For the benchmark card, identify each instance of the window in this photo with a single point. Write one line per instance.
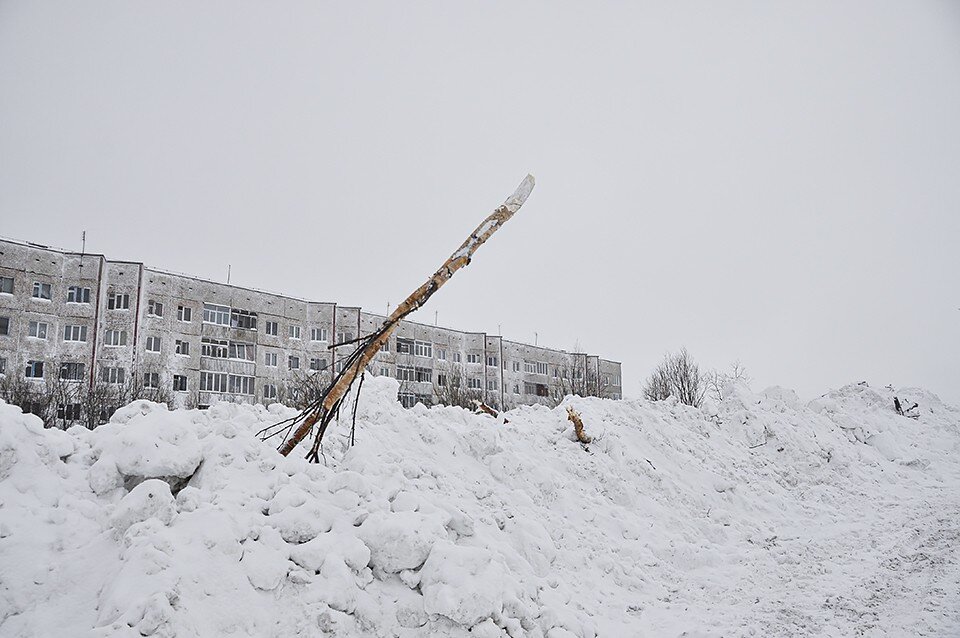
(3, 365)
(442, 354)
(293, 362)
(344, 337)
(76, 294)
(425, 399)
(385, 346)
(384, 371)
(240, 385)
(4, 325)
(272, 328)
(423, 349)
(185, 314)
(74, 333)
(529, 388)
(318, 334)
(293, 331)
(115, 338)
(404, 346)
(406, 373)
(516, 366)
(341, 365)
(38, 329)
(473, 384)
(529, 367)
(69, 412)
(6, 285)
(240, 350)
(407, 399)
(516, 388)
(424, 375)
(542, 368)
(113, 376)
(154, 308)
(473, 358)
(118, 301)
(41, 291)
(179, 383)
(181, 347)
(243, 319)
(492, 362)
(318, 364)
(34, 370)
(213, 381)
(214, 348)
(153, 344)
(269, 391)
(213, 313)
(491, 384)
(71, 371)
(151, 380)
(270, 359)
(456, 357)
(442, 380)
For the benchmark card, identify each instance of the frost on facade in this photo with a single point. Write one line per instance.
(83, 322)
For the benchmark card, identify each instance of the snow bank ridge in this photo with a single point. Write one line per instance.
(438, 523)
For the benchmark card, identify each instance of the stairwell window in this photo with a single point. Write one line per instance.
(115, 338)
(153, 344)
(154, 308)
(492, 362)
(270, 359)
(118, 301)
(491, 384)
(6, 285)
(179, 383)
(271, 328)
(184, 314)
(181, 347)
(293, 331)
(74, 333)
(77, 294)
(113, 376)
(293, 362)
(318, 334)
(70, 371)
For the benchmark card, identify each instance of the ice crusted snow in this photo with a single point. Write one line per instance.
(761, 516)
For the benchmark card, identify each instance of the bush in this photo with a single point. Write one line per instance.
(678, 376)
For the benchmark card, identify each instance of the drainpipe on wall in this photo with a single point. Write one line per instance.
(96, 324)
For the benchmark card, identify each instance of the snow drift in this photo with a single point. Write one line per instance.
(759, 516)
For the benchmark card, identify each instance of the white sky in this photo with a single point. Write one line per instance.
(772, 182)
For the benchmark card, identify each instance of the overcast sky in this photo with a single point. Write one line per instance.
(777, 183)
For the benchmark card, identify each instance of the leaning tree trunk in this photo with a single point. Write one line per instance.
(324, 409)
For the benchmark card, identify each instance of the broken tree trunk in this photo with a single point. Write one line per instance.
(574, 417)
(324, 409)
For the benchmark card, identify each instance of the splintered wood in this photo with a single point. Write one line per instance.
(574, 417)
(326, 407)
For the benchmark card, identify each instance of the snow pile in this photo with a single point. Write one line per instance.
(759, 516)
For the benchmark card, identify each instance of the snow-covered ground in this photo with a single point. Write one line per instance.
(758, 517)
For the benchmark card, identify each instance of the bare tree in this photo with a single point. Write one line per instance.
(453, 389)
(677, 375)
(717, 381)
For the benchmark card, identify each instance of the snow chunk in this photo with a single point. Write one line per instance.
(400, 540)
(150, 499)
(462, 583)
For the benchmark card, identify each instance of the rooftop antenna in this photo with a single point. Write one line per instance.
(435, 314)
(535, 338)
(499, 330)
(228, 273)
(83, 249)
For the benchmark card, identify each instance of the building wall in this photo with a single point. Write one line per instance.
(289, 348)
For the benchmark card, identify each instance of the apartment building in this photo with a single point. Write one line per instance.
(84, 319)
